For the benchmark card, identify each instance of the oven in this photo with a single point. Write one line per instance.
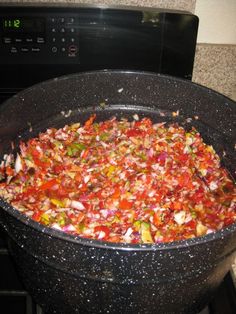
(40, 43)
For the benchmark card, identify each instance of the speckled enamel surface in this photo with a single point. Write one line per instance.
(68, 275)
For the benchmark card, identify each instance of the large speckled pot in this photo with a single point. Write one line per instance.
(67, 274)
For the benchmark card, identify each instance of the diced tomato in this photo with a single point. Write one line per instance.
(37, 215)
(42, 164)
(198, 195)
(48, 185)
(116, 193)
(125, 204)
(57, 169)
(89, 122)
(176, 205)
(183, 157)
(9, 171)
(157, 219)
(78, 177)
(135, 132)
(147, 122)
(184, 180)
(208, 203)
(228, 221)
(141, 195)
(114, 239)
(191, 224)
(104, 229)
(83, 188)
(135, 181)
(24, 195)
(61, 192)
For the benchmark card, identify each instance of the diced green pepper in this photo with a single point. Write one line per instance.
(104, 136)
(75, 148)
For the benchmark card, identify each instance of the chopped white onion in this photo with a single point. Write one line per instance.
(18, 164)
(86, 179)
(180, 217)
(77, 205)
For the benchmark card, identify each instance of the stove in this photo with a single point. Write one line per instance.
(40, 43)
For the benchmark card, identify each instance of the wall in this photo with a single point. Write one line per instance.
(215, 61)
(218, 21)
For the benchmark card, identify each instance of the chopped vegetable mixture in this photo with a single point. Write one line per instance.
(121, 181)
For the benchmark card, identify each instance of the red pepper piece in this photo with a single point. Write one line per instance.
(37, 215)
(9, 171)
(104, 229)
(135, 132)
(48, 185)
(176, 205)
(89, 122)
(125, 204)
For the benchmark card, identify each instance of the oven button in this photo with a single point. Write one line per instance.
(35, 49)
(7, 40)
(70, 20)
(13, 50)
(63, 39)
(28, 40)
(62, 20)
(72, 39)
(24, 49)
(72, 50)
(54, 39)
(62, 30)
(53, 30)
(40, 40)
(18, 40)
(53, 20)
(54, 49)
(63, 49)
(72, 30)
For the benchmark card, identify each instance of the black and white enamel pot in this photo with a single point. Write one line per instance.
(67, 274)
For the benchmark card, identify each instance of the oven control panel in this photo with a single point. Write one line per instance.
(47, 38)
(45, 41)
(31, 34)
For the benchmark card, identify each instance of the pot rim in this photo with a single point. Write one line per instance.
(216, 235)
(213, 236)
(125, 72)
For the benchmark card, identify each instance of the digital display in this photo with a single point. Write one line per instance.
(23, 25)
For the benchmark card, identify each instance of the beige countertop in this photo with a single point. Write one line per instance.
(215, 67)
(185, 5)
